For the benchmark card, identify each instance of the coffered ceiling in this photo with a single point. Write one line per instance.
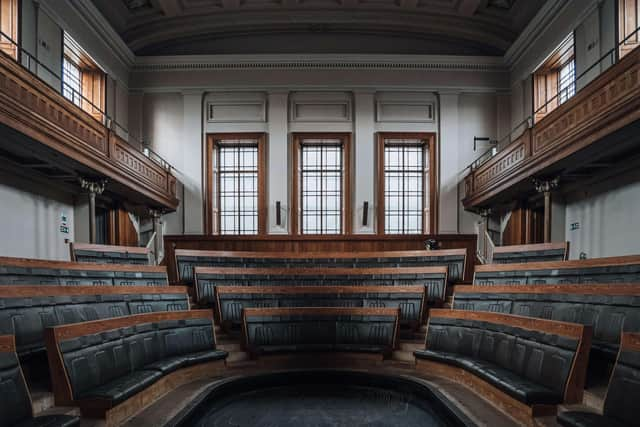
(167, 27)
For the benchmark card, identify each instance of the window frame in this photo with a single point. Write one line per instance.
(546, 78)
(212, 211)
(346, 221)
(429, 225)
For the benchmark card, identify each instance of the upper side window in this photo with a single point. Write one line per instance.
(554, 81)
(628, 23)
(9, 27)
(83, 81)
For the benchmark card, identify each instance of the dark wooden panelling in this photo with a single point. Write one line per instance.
(301, 244)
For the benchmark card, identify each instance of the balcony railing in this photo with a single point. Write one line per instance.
(33, 102)
(603, 63)
(46, 75)
(608, 93)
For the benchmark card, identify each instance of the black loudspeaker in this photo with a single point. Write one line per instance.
(365, 214)
(278, 218)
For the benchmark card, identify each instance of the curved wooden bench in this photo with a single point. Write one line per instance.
(25, 311)
(24, 271)
(620, 408)
(186, 260)
(15, 406)
(433, 279)
(624, 269)
(609, 309)
(526, 366)
(113, 368)
(320, 329)
(231, 300)
(539, 252)
(109, 254)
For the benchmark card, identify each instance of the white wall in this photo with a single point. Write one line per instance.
(608, 217)
(31, 220)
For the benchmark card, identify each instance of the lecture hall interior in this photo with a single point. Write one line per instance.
(323, 213)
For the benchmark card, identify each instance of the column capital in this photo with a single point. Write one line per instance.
(93, 186)
(546, 186)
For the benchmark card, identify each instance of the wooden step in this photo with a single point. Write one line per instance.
(411, 345)
(42, 400)
(229, 346)
(237, 356)
(594, 398)
(403, 356)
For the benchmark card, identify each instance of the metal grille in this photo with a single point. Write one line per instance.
(567, 81)
(321, 177)
(71, 81)
(238, 187)
(405, 173)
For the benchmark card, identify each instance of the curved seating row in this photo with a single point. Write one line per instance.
(186, 260)
(231, 300)
(539, 252)
(528, 365)
(276, 330)
(624, 269)
(609, 309)
(110, 368)
(108, 254)
(15, 405)
(622, 394)
(25, 311)
(432, 279)
(22, 271)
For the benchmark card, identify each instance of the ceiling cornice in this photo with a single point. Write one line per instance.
(318, 61)
(539, 25)
(99, 25)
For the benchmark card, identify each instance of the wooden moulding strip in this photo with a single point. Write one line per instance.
(26, 291)
(83, 266)
(321, 255)
(558, 265)
(573, 289)
(109, 248)
(329, 271)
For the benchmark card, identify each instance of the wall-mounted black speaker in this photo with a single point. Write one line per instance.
(365, 214)
(278, 217)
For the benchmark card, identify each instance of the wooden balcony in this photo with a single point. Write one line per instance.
(599, 122)
(52, 138)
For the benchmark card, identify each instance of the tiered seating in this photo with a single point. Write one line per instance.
(25, 311)
(610, 309)
(107, 254)
(186, 260)
(622, 395)
(276, 330)
(231, 300)
(21, 271)
(539, 252)
(112, 368)
(625, 269)
(15, 402)
(526, 365)
(433, 279)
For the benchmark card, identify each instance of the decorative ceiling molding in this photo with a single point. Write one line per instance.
(322, 62)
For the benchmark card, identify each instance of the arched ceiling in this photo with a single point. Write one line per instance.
(463, 27)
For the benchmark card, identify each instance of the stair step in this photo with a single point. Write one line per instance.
(447, 305)
(594, 397)
(237, 356)
(229, 346)
(411, 345)
(403, 356)
(42, 400)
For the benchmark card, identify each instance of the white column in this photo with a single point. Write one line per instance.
(364, 166)
(278, 165)
(449, 158)
(192, 158)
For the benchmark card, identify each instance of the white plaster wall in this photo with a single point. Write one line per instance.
(608, 217)
(31, 220)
